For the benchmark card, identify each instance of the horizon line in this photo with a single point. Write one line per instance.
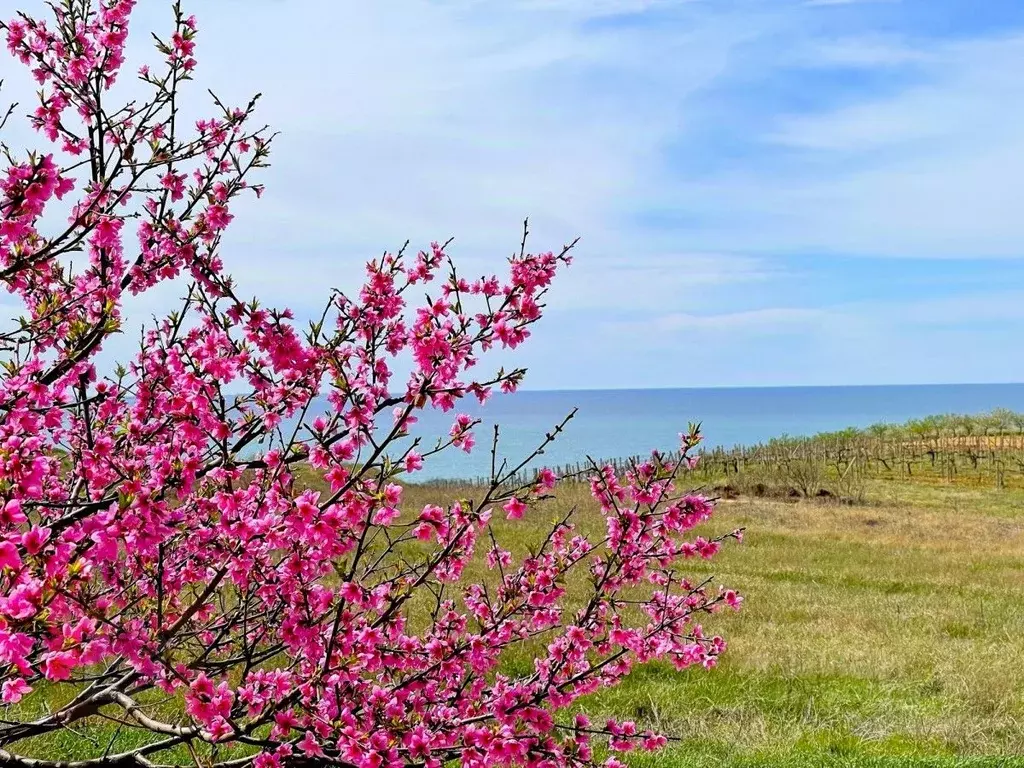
(558, 390)
(773, 386)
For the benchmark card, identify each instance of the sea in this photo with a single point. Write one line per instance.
(611, 424)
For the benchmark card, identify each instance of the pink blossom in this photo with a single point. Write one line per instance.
(105, 235)
(58, 666)
(13, 690)
(309, 746)
(35, 539)
(222, 517)
(413, 462)
(515, 508)
(9, 557)
(11, 514)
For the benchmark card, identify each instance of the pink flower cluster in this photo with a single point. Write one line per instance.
(157, 537)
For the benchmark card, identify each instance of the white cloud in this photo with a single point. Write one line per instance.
(932, 170)
(427, 119)
(895, 342)
(963, 99)
(440, 119)
(857, 128)
(594, 8)
(755, 322)
(845, 2)
(997, 306)
(861, 52)
(457, 119)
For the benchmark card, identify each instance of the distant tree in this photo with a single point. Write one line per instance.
(1017, 419)
(1003, 421)
(880, 431)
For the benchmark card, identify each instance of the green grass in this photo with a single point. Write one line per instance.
(889, 634)
(885, 634)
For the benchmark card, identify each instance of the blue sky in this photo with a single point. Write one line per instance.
(769, 192)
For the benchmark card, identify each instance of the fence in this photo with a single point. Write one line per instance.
(982, 450)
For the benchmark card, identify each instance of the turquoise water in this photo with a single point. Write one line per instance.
(619, 423)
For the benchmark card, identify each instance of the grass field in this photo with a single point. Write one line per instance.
(883, 634)
(886, 633)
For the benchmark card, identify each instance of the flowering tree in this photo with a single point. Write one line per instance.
(161, 564)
